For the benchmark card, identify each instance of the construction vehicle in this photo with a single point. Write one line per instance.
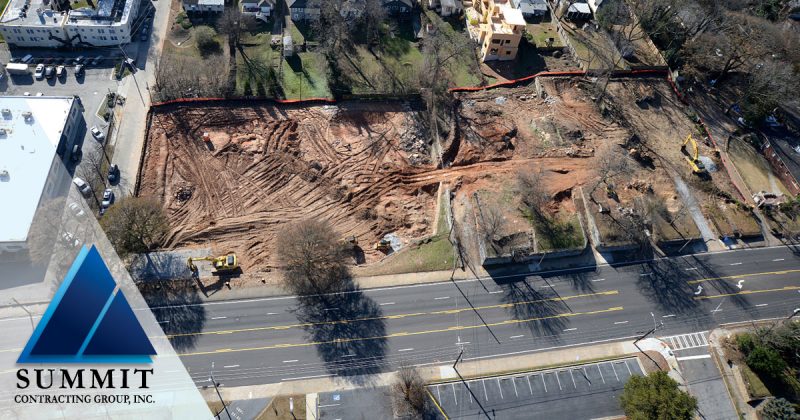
(694, 158)
(383, 245)
(222, 263)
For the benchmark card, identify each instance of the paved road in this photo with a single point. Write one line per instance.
(278, 339)
(269, 340)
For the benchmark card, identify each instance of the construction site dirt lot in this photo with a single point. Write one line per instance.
(362, 167)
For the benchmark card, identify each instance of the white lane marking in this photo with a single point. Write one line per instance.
(231, 366)
(500, 388)
(483, 381)
(349, 355)
(736, 263)
(777, 259)
(331, 309)
(690, 269)
(615, 371)
(668, 316)
(516, 336)
(559, 381)
(717, 309)
(219, 317)
(570, 329)
(574, 385)
(454, 393)
(762, 304)
(328, 405)
(596, 280)
(442, 298)
(514, 382)
(740, 284)
(700, 356)
(629, 368)
(290, 361)
(272, 313)
(645, 274)
(307, 377)
(620, 322)
(387, 303)
(449, 282)
(495, 292)
(163, 322)
(543, 383)
(408, 349)
(529, 383)
(699, 290)
(601, 373)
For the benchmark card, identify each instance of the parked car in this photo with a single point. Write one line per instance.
(39, 72)
(27, 59)
(97, 134)
(26, 94)
(39, 94)
(78, 70)
(83, 187)
(108, 198)
(79, 60)
(97, 60)
(113, 173)
(49, 72)
(60, 71)
(76, 209)
(76, 153)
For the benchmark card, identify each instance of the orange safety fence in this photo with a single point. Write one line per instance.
(513, 82)
(280, 101)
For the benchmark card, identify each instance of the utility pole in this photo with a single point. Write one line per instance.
(216, 388)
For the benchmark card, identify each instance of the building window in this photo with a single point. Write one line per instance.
(508, 52)
(495, 41)
(493, 51)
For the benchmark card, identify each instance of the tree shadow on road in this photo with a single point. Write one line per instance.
(539, 309)
(175, 305)
(664, 282)
(349, 333)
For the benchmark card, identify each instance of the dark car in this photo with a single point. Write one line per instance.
(113, 173)
(78, 69)
(49, 72)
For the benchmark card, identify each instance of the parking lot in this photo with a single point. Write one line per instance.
(365, 403)
(584, 391)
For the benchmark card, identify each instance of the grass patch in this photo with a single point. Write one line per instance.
(754, 168)
(558, 233)
(731, 220)
(278, 409)
(541, 32)
(304, 76)
(755, 387)
(433, 254)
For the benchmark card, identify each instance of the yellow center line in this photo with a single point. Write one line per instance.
(749, 292)
(398, 316)
(741, 276)
(404, 334)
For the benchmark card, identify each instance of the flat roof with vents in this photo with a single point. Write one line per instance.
(30, 132)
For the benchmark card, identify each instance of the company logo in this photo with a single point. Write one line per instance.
(88, 321)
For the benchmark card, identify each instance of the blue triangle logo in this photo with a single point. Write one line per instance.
(88, 321)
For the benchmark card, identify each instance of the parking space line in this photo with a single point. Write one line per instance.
(513, 382)
(615, 372)
(454, 393)
(483, 381)
(601, 373)
(469, 393)
(586, 375)
(545, 385)
(438, 392)
(500, 388)
(629, 368)
(573, 379)
(559, 381)
(529, 383)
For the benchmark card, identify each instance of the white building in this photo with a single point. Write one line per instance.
(51, 23)
(203, 7)
(260, 8)
(34, 130)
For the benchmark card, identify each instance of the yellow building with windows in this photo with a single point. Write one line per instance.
(500, 30)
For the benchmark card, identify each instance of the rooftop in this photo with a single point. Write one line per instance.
(41, 12)
(27, 149)
(512, 16)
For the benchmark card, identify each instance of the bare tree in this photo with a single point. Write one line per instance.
(178, 76)
(532, 191)
(135, 225)
(372, 19)
(441, 50)
(91, 170)
(409, 397)
(610, 162)
(312, 256)
(494, 222)
(768, 85)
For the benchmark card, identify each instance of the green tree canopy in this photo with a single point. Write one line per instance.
(766, 361)
(656, 397)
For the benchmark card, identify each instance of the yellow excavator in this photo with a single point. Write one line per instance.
(222, 263)
(694, 159)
